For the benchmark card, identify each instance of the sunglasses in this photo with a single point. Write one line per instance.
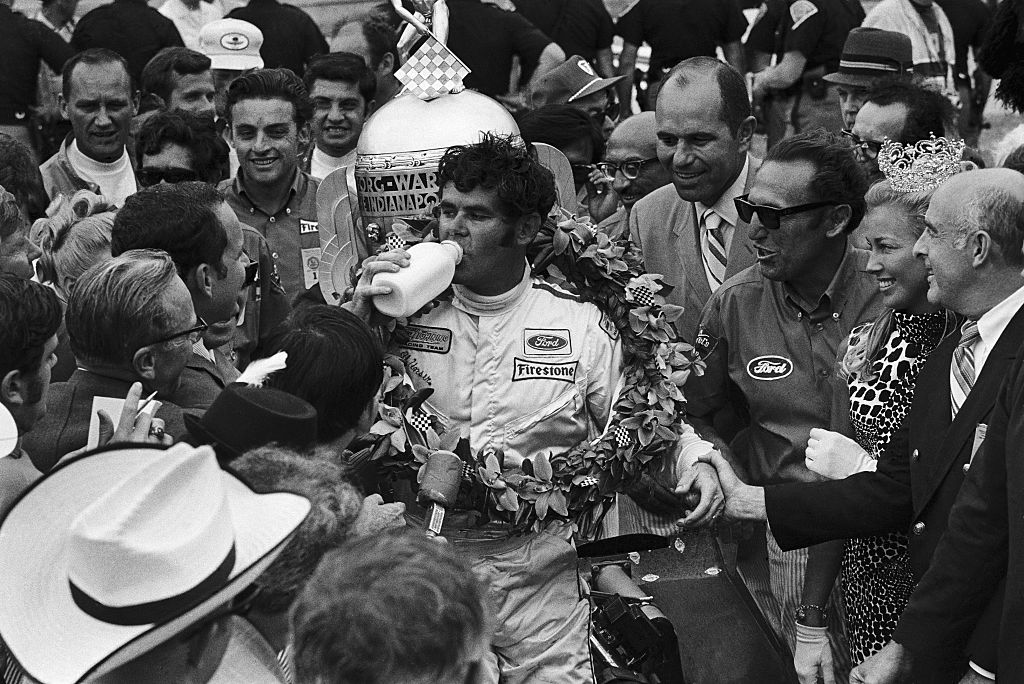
(630, 169)
(771, 217)
(194, 333)
(152, 176)
(870, 148)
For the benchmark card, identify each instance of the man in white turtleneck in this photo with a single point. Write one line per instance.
(341, 87)
(98, 100)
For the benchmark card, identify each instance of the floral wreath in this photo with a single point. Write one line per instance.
(646, 423)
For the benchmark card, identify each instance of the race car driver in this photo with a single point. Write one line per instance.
(527, 367)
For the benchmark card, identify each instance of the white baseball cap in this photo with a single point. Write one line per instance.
(232, 44)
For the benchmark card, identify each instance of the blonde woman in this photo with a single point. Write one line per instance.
(75, 238)
(881, 362)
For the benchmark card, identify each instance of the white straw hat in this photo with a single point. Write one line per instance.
(116, 551)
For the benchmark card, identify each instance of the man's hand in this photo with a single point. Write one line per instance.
(376, 516)
(362, 298)
(701, 478)
(742, 502)
(891, 665)
(132, 426)
(835, 456)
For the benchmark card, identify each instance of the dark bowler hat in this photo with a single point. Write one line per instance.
(870, 54)
(244, 417)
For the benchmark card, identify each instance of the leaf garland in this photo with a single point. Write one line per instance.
(646, 422)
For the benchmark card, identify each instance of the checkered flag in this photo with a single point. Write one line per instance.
(433, 70)
(642, 295)
(622, 437)
(394, 241)
(589, 481)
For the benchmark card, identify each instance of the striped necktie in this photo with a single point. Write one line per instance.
(963, 366)
(713, 248)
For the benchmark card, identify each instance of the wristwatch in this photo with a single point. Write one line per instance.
(809, 609)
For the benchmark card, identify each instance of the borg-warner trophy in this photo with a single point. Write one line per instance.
(707, 628)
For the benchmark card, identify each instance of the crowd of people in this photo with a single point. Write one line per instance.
(198, 442)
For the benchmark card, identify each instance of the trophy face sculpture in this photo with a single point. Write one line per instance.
(395, 175)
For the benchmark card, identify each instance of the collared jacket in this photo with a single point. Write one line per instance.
(772, 357)
(293, 232)
(537, 373)
(60, 177)
(919, 479)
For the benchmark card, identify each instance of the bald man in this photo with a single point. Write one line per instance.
(631, 161)
(972, 249)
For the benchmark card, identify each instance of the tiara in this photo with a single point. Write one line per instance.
(923, 165)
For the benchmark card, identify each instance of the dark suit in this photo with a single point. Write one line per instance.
(983, 545)
(914, 493)
(667, 231)
(202, 380)
(65, 427)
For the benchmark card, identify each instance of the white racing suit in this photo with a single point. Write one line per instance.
(529, 371)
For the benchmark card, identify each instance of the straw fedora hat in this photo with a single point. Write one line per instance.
(115, 551)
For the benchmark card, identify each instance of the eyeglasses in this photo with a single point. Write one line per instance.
(771, 216)
(149, 176)
(194, 333)
(870, 148)
(630, 169)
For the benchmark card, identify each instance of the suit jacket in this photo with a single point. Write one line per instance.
(984, 544)
(65, 427)
(667, 231)
(918, 476)
(202, 380)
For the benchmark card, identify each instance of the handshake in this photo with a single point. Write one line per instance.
(724, 495)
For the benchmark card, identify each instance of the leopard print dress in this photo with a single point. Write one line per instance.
(876, 573)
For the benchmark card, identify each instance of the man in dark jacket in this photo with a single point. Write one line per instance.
(130, 28)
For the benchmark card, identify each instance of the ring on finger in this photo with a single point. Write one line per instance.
(156, 428)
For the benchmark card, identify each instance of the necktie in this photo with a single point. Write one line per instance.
(963, 366)
(713, 248)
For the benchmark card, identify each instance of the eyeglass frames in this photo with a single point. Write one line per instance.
(630, 169)
(194, 333)
(870, 148)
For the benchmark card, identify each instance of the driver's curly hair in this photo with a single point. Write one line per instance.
(501, 163)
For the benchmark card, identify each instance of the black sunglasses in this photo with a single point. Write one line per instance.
(193, 333)
(771, 216)
(630, 169)
(152, 175)
(870, 148)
